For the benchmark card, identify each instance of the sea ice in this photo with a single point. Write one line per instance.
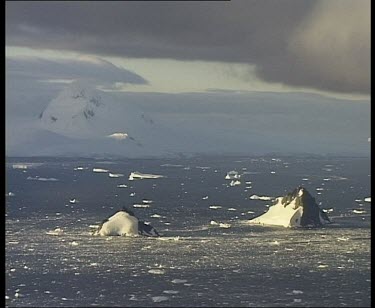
(37, 178)
(138, 176)
(215, 207)
(234, 183)
(265, 198)
(99, 170)
(179, 280)
(141, 205)
(115, 175)
(232, 175)
(122, 186)
(10, 194)
(156, 271)
(368, 199)
(158, 299)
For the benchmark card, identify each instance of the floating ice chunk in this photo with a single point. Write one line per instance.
(10, 194)
(265, 198)
(232, 209)
(118, 136)
(115, 175)
(73, 201)
(37, 178)
(74, 243)
(132, 194)
(100, 170)
(273, 172)
(57, 231)
(138, 176)
(326, 179)
(358, 200)
(80, 168)
(343, 239)
(122, 186)
(359, 211)
(155, 216)
(319, 188)
(141, 205)
(158, 299)
(232, 175)
(297, 292)
(215, 207)
(171, 292)
(93, 264)
(179, 280)
(250, 212)
(146, 201)
(234, 183)
(322, 266)
(156, 271)
(213, 222)
(205, 198)
(224, 225)
(328, 210)
(20, 166)
(203, 168)
(305, 179)
(248, 182)
(368, 199)
(171, 165)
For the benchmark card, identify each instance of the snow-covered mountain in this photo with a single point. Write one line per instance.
(296, 209)
(103, 124)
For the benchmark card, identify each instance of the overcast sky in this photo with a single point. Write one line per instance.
(266, 46)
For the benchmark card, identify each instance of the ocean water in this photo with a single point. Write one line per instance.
(207, 255)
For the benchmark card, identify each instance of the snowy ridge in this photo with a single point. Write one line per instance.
(296, 209)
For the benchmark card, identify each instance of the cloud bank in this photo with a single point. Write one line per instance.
(319, 44)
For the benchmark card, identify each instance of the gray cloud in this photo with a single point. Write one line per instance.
(318, 44)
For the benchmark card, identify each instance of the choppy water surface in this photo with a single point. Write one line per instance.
(196, 262)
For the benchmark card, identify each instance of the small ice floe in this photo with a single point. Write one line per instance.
(74, 243)
(203, 168)
(146, 201)
(326, 179)
(224, 225)
(57, 231)
(368, 199)
(100, 170)
(358, 200)
(179, 281)
(158, 299)
(80, 168)
(156, 216)
(139, 176)
(297, 292)
(156, 271)
(73, 201)
(359, 211)
(232, 175)
(343, 239)
(118, 136)
(305, 179)
(93, 264)
(250, 212)
(115, 175)
(132, 194)
(10, 194)
(215, 207)
(205, 198)
(273, 172)
(231, 209)
(171, 292)
(322, 266)
(213, 222)
(265, 198)
(171, 165)
(20, 166)
(330, 210)
(319, 189)
(37, 178)
(277, 243)
(122, 186)
(141, 205)
(248, 182)
(234, 183)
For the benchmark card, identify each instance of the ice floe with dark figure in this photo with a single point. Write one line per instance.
(125, 223)
(296, 209)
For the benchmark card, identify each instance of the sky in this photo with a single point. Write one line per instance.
(275, 51)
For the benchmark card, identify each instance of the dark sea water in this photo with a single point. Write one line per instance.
(195, 262)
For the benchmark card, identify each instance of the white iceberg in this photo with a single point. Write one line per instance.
(115, 175)
(138, 175)
(124, 223)
(368, 199)
(234, 183)
(118, 136)
(296, 209)
(99, 170)
(265, 198)
(232, 175)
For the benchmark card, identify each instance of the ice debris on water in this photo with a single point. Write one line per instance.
(179, 280)
(256, 197)
(156, 271)
(122, 186)
(158, 299)
(170, 292)
(100, 170)
(215, 207)
(224, 225)
(57, 231)
(10, 194)
(368, 199)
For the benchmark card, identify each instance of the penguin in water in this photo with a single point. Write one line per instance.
(125, 223)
